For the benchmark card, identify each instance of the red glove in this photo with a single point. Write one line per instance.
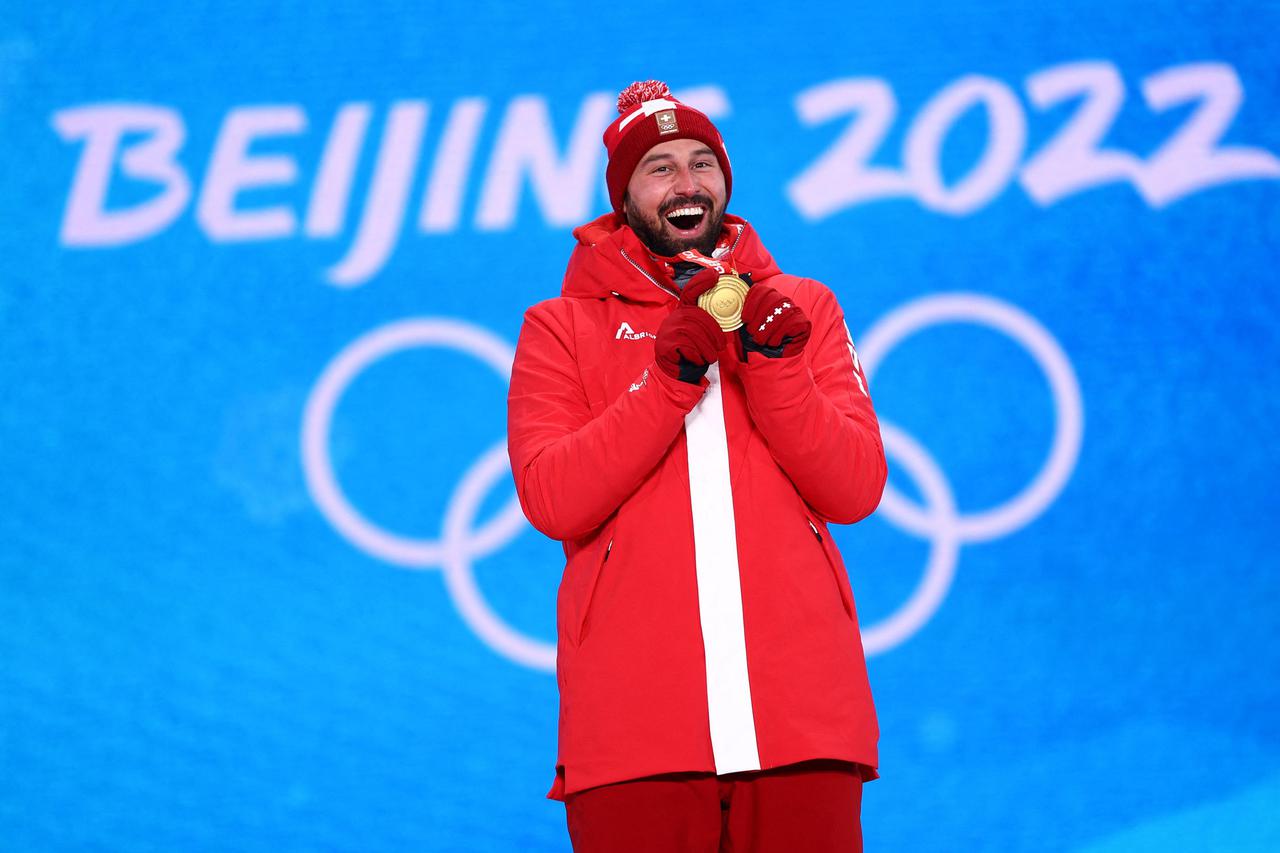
(700, 283)
(772, 324)
(690, 338)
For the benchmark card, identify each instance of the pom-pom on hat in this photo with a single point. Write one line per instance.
(648, 114)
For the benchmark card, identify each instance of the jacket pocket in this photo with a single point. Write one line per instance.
(578, 588)
(585, 622)
(834, 563)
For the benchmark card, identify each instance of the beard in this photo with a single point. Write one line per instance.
(657, 233)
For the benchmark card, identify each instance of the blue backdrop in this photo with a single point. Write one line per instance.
(264, 585)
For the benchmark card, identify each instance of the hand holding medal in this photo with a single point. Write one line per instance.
(718, 291)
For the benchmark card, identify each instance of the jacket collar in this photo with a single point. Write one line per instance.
(610, 260)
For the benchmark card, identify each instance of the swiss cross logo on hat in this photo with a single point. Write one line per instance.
(667, 122)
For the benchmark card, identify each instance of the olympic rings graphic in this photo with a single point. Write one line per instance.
(458, 546)
(323, 484)
(461, 543)
(940, 522)
(1068, 405)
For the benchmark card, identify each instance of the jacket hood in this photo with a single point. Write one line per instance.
(610, 260)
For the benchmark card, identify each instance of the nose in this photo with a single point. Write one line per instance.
(686, 182)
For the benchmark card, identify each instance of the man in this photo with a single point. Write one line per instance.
(712, 681)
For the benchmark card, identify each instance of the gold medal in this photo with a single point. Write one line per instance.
(724, 301)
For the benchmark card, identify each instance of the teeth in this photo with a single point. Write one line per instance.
(687, 211)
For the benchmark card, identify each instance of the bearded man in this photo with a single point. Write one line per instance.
(713, 687)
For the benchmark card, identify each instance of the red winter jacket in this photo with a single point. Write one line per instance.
(705, 621)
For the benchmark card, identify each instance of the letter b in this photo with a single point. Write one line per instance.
(86, 221)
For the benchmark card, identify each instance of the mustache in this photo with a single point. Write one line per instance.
(704, 200)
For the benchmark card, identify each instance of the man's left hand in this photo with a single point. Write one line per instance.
(772, 324)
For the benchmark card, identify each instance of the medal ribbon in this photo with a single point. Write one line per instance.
(693, 256)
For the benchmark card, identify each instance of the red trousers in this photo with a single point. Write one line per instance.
(814, 807)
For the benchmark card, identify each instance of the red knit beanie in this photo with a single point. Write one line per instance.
(647, 115)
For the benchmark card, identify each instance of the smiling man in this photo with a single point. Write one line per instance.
(686, 419)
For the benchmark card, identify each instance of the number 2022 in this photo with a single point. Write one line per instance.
(1071, 162)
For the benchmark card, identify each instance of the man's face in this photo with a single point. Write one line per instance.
(676, 198)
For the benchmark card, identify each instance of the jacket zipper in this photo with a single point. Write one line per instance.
(816, 534)
(736, 239)
(642, 272)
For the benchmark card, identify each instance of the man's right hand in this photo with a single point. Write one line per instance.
(690, 339)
